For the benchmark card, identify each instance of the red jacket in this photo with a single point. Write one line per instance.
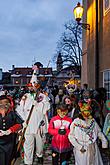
(60, 143)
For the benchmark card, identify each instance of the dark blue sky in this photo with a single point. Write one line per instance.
(30, 29)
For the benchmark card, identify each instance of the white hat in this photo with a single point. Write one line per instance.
(34, 75)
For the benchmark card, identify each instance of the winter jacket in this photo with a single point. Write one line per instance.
(11, 121)
(60, 143)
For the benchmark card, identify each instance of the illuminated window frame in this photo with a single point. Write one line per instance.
(106, 7)
(106, 82)
(17, 72)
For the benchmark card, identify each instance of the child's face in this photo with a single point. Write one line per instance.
(61, 113)
(4, 104)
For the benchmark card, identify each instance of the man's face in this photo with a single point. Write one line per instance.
(4, 104)
(60, 92)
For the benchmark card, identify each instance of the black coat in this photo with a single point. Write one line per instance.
(7, 142)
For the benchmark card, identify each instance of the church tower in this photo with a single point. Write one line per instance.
(59, 62)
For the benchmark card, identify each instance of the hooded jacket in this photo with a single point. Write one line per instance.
(60, 143)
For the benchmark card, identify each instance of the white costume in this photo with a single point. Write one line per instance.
(83, 137)
(33, 131)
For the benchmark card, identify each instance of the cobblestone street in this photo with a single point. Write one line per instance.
(48, 158)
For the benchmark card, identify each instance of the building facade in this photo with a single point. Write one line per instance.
(20, 76)
(96, 44)
(65, 75)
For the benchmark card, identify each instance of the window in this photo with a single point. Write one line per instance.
(46, 71)
(17, 72)
(106, 82)
(16, 82)
(106, 5)
(30, 72)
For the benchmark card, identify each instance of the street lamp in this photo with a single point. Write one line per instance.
(78, 13)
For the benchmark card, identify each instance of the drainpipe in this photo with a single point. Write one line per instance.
(97, 49)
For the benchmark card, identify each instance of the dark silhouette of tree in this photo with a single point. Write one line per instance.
(69, 46)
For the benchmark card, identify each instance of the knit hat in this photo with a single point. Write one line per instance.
(34, 75)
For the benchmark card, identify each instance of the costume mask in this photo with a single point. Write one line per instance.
(67, 101)
(71, 88)
(62, 113)
(85, 109)
(4, 106)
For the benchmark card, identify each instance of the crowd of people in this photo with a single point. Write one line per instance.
(73, 120)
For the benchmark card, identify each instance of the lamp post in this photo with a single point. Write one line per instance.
(78, 13)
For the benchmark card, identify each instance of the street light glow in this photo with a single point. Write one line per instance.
(78, 12)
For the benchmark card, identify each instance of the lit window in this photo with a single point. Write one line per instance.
(29, 72)
(106, 6)
(106, 82)
(46, 71)
(16, 82)
(17, 72)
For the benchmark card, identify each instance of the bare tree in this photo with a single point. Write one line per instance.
(69, 46)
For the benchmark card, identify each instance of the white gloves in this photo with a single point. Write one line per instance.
(24, 125)
(7, 132)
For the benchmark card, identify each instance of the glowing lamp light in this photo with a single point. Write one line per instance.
(78, 12)
(16, 82)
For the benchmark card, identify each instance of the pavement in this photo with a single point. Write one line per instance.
(48, 158)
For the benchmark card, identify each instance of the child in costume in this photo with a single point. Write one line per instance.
(84, 132)
(10, 123)
(96, 108)
(59, 128)
(73, 108)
